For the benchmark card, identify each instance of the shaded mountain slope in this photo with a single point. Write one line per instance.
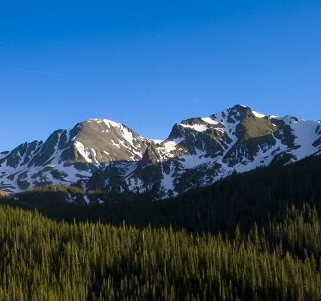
(105, 155)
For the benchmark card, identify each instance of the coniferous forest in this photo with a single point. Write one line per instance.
(253, 236)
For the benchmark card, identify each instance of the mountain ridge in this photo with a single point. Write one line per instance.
(103, 154)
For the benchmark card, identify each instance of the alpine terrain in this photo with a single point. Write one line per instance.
(105, 155)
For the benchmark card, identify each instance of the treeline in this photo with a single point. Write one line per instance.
(42, 259)
(242, 199)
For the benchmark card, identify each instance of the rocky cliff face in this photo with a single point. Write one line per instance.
(69, 156)
(101, 154)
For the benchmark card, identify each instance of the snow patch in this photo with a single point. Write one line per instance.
(84, 152)
(86, 199)
(209, 120)
(170, 146)
(113, 142)
(155, 141)
(191, 161)
(305, 136)
(259, 115)
(196, 127)
(110, 123)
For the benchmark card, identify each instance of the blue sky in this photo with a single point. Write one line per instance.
(150, 64)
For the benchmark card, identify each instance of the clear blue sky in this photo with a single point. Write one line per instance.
(150, 64)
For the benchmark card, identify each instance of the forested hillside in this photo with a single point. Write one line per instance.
(253, 236)
(239, 199)
(43, 259)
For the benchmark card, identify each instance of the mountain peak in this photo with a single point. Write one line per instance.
(103, 154)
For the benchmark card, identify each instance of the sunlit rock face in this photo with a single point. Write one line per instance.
(102, 154)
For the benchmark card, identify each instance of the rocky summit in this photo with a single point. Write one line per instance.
(102, 154)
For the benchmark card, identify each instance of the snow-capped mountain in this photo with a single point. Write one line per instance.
(102, 154)
(69, 156)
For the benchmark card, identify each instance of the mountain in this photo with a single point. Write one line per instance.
(105, 155)
(69, 156)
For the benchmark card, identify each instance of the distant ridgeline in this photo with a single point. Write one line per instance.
(100, 154)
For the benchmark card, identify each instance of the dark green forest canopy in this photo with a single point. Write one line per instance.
(253, 236)
(43, 259)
